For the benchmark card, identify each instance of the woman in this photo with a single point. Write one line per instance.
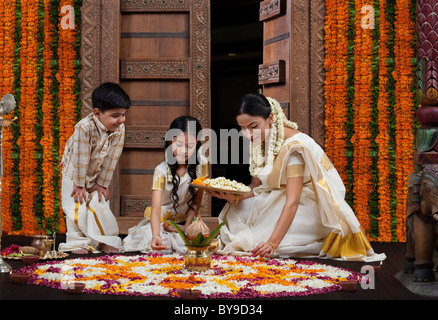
(297, 204)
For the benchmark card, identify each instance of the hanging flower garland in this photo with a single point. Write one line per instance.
(336, 40)
(376, 95)
(36, 68)
(404, 113)
(27, 107)
(7, 46)
(362, 118)
(67, 78)
(382, 138)
(154, 274)
(47, 122)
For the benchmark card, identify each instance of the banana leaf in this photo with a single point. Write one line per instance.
(207, 241)
(198, 241)
(180, 232)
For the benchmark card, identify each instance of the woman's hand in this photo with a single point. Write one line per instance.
(157, 243)
(229, 197)
(264, 250)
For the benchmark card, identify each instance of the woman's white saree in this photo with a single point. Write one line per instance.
(324, 226)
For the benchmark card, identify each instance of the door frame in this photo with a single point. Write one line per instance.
(100, 57)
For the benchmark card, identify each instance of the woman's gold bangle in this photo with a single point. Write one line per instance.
(273, 246)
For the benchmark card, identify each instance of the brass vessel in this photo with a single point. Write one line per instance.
(197, 259)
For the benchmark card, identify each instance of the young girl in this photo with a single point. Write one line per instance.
(172, 196)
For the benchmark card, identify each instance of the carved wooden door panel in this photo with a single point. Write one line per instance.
(293, 60)
(162, 59)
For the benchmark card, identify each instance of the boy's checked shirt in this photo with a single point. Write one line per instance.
(92, 152)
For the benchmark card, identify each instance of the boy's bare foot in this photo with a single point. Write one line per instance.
(80, 251)
(108, 249)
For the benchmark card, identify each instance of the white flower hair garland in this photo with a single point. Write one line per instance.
(275, 138)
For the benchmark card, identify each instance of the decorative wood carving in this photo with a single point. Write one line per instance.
(99, 46)
(300, 64)
(272, 73)
(317, 72)
(270, 9)
(177, 69)
(90, 51)
(200, 80)
(151, 5)
(110, 41)
(200, 50)
(144, 138)
(134, 207)
(427, 53)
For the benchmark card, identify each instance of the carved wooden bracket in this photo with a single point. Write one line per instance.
(270, 9)
(176, 69)
(144, 138)
(272, 73)
(158, 5)
(133, 207)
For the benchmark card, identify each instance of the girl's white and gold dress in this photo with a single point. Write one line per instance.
(139, 237)
(324, 224)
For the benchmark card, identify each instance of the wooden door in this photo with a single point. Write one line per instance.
(160, 53)
(293, 60)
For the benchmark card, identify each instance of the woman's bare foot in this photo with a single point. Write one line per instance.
(108, 249)
(80, 251)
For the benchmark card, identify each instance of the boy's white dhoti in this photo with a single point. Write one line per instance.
(88, 224)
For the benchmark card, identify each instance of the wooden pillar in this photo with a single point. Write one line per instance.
(100, 43)
(293, 60)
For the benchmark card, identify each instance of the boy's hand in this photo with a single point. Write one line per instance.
(101, 191)
(79, 194)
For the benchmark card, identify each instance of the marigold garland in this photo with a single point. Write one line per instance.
(382, 138)
(362, 118)
(27, 108)
(387, 92)
(336, 29)
(403, 109)
(67, 80)
(47, 123)
(7, 46)
(38, 70)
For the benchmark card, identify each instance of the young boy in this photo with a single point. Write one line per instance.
(89, 160)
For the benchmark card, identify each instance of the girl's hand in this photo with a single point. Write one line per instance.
(157, 243)
(264, 250)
